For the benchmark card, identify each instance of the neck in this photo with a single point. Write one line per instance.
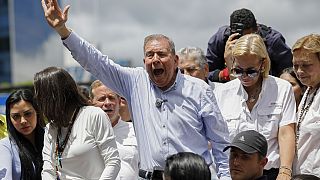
(114, 122)
(253, 88)
(31, 138)
(314, 88)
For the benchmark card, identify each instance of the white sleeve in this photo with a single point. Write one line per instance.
(105, 139)
(48, 171)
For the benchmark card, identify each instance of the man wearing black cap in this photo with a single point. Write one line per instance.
(242, 21)
(248, 156)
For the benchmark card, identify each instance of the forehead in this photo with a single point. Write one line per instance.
(249, 60)
(20, 105)
(160, 44)
(102, 90)
(288, 77)
(304, 56)
(187, 62)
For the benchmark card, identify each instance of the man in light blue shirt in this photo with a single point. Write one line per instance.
(171, 112)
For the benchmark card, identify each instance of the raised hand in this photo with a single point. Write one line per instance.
(55, 17)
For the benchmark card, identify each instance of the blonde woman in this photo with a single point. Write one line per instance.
(257, 101)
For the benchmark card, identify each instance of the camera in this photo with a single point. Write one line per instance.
(237, 28)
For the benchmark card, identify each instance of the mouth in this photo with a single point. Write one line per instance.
(235, 170)
(158, 72)
(108, 111)
(24, 128)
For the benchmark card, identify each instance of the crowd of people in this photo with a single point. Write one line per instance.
(248, 109)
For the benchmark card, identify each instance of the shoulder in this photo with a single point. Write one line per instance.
(8, 147)
(5, 142)
(228, 86)
(194, 84)
(271, 35)
(219, 36)
(91, 111)
(275, 82)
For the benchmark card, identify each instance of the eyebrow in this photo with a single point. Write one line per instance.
(14, 113)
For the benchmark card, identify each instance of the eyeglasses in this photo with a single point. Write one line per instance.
(237, 72)
(251, 72)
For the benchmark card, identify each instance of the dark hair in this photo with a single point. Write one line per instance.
(305, 177)
(187, 166)
(290, 71)
(56, 93)
(245, 17)
(30, 156)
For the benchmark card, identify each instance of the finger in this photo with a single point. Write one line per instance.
(66, 12)
(232, 36)
(44, 6)
(56, 5)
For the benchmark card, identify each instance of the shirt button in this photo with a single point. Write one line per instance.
(163, 126)
(164, 143)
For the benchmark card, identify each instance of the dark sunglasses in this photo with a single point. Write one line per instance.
(237, 72)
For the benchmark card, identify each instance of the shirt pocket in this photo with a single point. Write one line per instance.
(268, 121)
(232, 121)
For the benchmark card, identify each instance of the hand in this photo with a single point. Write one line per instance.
(55, 17)
(282, 176)
(228, 50)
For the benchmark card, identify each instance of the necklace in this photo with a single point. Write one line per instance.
(304, 109)
(253, 97)
(60, 146)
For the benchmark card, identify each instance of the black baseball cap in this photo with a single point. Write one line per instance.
(250, 142)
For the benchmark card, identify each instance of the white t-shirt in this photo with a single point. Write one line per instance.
(275, 108)
(128, 150)
(308, 158)
(90, 153)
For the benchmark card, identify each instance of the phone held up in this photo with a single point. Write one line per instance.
(237, 28)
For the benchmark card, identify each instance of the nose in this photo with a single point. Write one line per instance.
(107, 102)
(23, 120)
(235, 161)
(155, 58)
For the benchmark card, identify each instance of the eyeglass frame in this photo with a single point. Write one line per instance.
(253, 74)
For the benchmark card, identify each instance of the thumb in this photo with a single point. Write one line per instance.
(66, 11)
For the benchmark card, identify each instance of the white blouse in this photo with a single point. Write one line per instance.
(90, 153)
(275, 107)
(308, 156)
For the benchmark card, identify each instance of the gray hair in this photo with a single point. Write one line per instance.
(158, 37)
(193, 54)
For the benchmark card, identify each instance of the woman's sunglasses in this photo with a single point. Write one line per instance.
(251, 72)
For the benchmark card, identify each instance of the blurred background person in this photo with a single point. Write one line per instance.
(186, 166)
(242, 22)
(109, 102)
(20, 153)
(298, 88)
(258, 101)
(79, 142)
(248, 156)
(193, 62)
(306, 64)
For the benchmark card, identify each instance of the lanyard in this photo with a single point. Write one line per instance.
(60, 147)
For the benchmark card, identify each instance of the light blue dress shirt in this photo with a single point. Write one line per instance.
(185, 122)
(10, 165)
